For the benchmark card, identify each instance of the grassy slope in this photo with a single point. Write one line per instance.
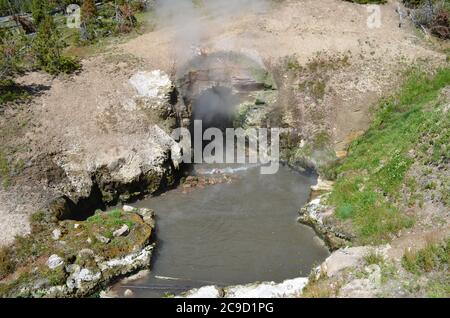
(370, 179)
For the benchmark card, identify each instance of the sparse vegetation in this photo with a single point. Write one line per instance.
(4, 170)
(374, 258)
(432, 15)
(432, 257)
(33, 250)
(48, 46)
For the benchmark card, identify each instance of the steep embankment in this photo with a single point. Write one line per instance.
(392, 188)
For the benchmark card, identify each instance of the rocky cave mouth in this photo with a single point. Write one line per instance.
(207, 231)
(215, 107)
(217, 88)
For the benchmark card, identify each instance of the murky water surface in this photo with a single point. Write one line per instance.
(230, 233)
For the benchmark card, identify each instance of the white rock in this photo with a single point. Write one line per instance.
(374, 272)
(76, 226)
(151, 84)
(148, 216)
(203, 292)
(56, 234)
(128, 208)
(131, 261)
(86, 252)
(123, 231)
(344, 258)
(102, 239)
(54, 261)
(287, 289)
(128, 293)
(109, 294)
(140, 275)
(323, 185)
(81, 278)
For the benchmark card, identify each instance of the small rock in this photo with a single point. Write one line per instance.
(341, 154)
(72, 268)
(144, 211)
(140, 275)
(109, 294)
(374, 272)
(102, 239)
(76, 226)
(148, 216)
(89, 240)
(85, 253)
(127, 208)
(323, 185)
(56, 234)
(123, 231)
(54, 261)
(128, 293)
(41, 283)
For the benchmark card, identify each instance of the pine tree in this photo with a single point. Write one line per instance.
(47, 48)
(12, 48)
(39, 10)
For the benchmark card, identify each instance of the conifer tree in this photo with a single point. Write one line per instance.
(39, 10)
(47, 48)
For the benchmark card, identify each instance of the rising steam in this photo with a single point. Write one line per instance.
(195, 22)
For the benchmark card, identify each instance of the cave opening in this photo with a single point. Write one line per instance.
(215, 108)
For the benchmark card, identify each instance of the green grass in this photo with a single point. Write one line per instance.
(439, 288)
(4, 170)
(27, 256)
(374, 258)
(110, 220)
(432, 257)
(370, 179)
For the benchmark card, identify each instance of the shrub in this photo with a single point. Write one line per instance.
(13, 47)
(433, 15)
(39, 10)
(440, 25)
(7, 265)
(47, 48)
(432, 257)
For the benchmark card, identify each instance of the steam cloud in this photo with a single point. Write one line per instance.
(193, 21)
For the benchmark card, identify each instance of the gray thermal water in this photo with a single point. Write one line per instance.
(230, 233)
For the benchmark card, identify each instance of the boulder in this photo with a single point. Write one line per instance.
(148, 215)
(320, 217)
(128, 208)
(126, 167)
(56, 234)
(54, 261)
(204, 292)
(102, 239)
(123, 231)
(154, 84)
(82, 280)
(287, 289)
